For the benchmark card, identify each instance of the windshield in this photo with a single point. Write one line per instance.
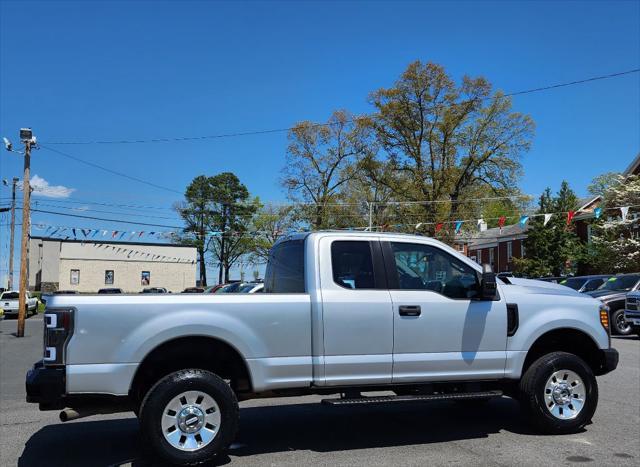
(622, 283)
(10, 296)
(575, 282)
(247, 288)
(232, 288)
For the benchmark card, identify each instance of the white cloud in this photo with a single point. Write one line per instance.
(41, 187)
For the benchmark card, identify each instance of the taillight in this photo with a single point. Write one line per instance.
(58, 328)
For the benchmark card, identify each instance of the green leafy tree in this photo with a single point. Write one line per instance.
(444, 141)
(196, 213)
(231, 212)
(269, 224)
(601, 184)
(553, 249)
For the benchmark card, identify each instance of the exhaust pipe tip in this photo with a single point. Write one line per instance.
(69, 414)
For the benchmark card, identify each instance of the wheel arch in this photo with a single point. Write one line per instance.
(192, 351)
(566, 339)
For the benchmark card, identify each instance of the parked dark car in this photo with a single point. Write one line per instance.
(154, 290)
(65, 292)
(193, 290)
(230, 288)
(112, 290)
(585, 283)
(214, 288)
(612, 293)
(555, 280)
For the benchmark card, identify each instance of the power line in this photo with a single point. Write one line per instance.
(111, 171)
(106, 220)
(281, 130)
(71, 208)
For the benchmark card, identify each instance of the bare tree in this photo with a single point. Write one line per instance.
(320, 160)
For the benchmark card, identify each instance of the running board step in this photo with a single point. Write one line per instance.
(417, 397)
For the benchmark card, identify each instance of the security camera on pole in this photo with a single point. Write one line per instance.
(26, 136)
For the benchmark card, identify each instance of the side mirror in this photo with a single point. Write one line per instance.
(488, 286)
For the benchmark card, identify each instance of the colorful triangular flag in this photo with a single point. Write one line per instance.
(625, 212)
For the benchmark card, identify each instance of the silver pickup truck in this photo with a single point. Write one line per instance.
(343, 314)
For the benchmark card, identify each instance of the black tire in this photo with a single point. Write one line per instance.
(532, 393)
(169, 387)
(618, 324)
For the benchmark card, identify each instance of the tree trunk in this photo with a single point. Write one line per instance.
(203, 268)
(221, 261)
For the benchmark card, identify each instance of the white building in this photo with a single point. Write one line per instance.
(88, 265)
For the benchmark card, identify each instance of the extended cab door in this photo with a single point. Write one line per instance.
(357, 316)
(441, 330)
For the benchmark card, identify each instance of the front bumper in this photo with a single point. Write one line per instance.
(609, 361)
(46, 386)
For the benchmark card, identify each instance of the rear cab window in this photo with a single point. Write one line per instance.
(285, 268)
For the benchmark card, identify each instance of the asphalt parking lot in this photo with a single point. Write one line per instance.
(300, 431)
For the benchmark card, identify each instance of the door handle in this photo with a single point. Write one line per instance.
(409, 310)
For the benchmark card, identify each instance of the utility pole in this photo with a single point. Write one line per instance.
(13, 231)
(26, 135)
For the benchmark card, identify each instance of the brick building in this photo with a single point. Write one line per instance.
(498, 246)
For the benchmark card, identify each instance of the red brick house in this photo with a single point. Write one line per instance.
(498, 246)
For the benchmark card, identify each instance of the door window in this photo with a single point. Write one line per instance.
(352, 264)
(424, 267)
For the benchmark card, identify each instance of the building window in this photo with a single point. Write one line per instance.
(108, 277)
(521, 249)
(491, 256)
(75, 277)
(145, 278)
(509, 251)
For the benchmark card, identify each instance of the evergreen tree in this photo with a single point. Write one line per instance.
(552, 249)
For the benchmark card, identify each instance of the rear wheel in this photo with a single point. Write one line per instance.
(620, 325)
(189, 417)
(559, 392)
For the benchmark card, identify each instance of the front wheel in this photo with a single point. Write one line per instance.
(189, 417)
(559, 392)
(620, 325)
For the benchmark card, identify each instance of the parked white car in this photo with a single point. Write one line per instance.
(9, 303)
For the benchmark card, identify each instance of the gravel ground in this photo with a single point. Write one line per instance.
(299, 431)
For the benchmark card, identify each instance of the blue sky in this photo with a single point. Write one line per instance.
(140, 70)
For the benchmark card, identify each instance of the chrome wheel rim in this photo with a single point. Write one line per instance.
(191, 420)
(621, 323)
(565, 394)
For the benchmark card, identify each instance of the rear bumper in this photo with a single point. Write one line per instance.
(609, 361)
(46, 386)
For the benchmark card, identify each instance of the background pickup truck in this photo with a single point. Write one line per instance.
(632, 311)
(341, 313)
(9, 303)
